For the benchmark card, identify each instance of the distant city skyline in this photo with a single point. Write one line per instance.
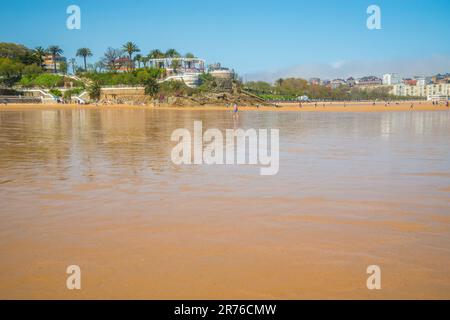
(405, 68)
(261, 40)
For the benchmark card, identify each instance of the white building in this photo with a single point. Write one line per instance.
(179, 64)
(423, 81)
(428, 91)
(391, 79)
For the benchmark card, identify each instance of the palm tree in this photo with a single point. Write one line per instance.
(130, 48)
(189, 55)
(145, 60)
(138, 58)
(99, 66)
(54, 51)
(279, 82)
(40, 53)
(84, 52)
(73, 63)
(172, 53)
(156, 54)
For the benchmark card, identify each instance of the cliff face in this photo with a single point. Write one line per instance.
(136, 96)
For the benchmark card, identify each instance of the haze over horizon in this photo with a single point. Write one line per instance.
(261, 40)
(426, 66)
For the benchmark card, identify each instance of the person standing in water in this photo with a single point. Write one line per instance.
(235, 110)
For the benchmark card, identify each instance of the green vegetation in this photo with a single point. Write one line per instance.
(208, 83)
(10, 71)
(47, 81)
(18, 53)
(292, 88)
(151, 87)
(134, 78)
(13, 51)
(72, 92)
(94, 91)
(56, 92)
(175, 88)
(172, 53)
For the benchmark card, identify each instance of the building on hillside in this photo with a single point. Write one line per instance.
(390, 79)
(123, 64)
(441, 78)
(336, 83)
(187, 70)
(369, 81)
(314, 81)
(351, 81)
(217, 71)
(179, 65)
(49, 63)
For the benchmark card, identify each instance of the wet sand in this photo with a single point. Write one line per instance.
(96, 188)
(305, 107)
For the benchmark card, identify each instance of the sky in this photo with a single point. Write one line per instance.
(261, 40)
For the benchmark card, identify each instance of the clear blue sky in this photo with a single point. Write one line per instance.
(248, 35)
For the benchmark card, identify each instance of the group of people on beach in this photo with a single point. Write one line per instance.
(437, 103)
(235, 109)
(386, 104)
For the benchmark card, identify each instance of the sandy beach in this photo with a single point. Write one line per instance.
(305, 107)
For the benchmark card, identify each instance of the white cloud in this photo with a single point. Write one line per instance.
(358, 68)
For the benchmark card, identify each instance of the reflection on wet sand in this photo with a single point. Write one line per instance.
(97, 188)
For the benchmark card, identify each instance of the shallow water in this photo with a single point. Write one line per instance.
(97, 188)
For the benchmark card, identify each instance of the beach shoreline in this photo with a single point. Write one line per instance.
(282, 107)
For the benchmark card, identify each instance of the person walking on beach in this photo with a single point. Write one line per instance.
(412, 106)
(446, 104)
